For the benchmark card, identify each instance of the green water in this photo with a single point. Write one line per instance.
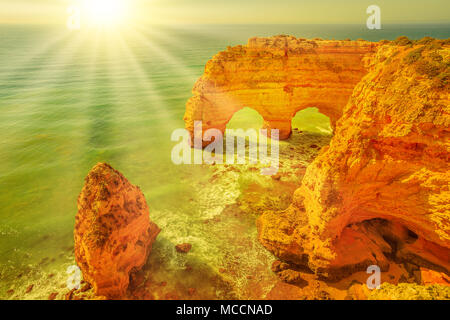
(70, 100)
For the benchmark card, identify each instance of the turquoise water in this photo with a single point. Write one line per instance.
(69, 100)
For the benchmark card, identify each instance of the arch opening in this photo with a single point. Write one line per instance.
(311, 130)
(246, 118)
(312, 121)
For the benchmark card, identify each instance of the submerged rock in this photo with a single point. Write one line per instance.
(183, 247)
(113, 232)
(29, 288)
(53, 296)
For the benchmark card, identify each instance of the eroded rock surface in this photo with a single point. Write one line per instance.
(113, 232)
(278, 77)
(380, 190)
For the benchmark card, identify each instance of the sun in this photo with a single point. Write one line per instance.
(104, 12)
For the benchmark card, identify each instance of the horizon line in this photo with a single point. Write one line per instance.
(238, 23)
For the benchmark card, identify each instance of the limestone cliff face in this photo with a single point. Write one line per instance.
(277, 77)
(113, 232)
(381, 188)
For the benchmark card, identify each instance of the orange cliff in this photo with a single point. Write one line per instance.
(278, 77)
(380, 191)
(113, 232)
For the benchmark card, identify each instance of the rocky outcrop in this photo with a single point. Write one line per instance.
(113, 232)
(278, 77)
(380, 190)
(408, 291)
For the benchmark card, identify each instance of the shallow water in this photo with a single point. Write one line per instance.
(70, 100)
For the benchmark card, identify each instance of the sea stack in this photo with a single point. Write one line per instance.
(113, 231)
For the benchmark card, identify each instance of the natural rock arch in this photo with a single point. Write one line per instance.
(381, 187)
(277, 77)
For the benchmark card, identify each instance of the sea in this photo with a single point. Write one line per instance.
(71, 99)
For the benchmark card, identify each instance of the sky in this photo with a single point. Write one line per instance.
(241, 11)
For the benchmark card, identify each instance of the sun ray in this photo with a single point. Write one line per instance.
(37, 51)
(28, 64)
(144, 78)
(46, 77)
(175, 63)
